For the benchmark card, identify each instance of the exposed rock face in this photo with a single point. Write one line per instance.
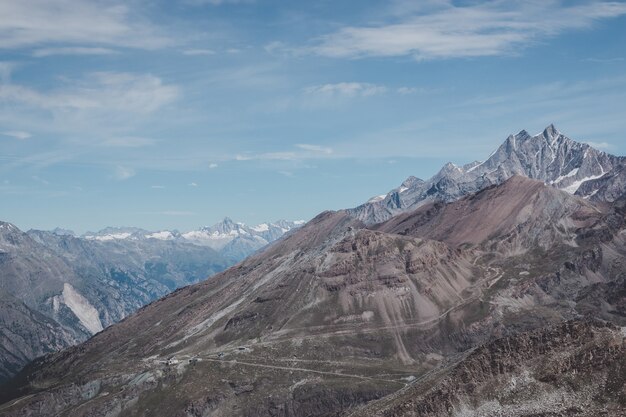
(549, 157)
(576, 368)
(335, 315)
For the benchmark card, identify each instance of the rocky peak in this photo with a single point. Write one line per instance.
(551, 132)
(549, 157)
(411, 181)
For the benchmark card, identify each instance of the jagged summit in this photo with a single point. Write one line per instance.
(549, 156)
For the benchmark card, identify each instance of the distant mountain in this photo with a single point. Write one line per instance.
(551, 157)
(235, 241)
(59, 289)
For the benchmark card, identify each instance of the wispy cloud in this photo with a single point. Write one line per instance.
(122, 173)
(479, 29)
(213, 165)
(26, 23)
(40, 180)
(409, 90)
(346, 89)
(157, 187)
(193, 52)
(17, 134)
(128, 142)
(604, 60)
(600, 145)
(73, 50)
(304, 151)
(123, 92)
(315, 148)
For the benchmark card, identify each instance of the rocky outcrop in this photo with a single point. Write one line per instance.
(576, 368)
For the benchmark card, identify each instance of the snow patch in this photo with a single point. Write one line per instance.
(107, 238)
(164, 235)
(377, 198)
(576, 185)
(263, 227)
(572, 173)
(476, 166)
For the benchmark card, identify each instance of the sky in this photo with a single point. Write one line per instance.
(173, 114)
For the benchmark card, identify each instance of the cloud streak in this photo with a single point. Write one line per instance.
(73, 50)
(27, 23)
(449, 31)
(123, 92)
(17, 134)
(346, 89)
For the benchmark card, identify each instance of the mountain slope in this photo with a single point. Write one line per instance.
(59, 289)
(577, 368)
(26, 334)
(335, 315)
(523, 213)
(549, 156)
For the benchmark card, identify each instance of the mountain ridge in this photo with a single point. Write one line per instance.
(548, 156)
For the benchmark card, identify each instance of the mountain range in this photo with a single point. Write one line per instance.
(59, 289)
(233, 240)
(492, 289)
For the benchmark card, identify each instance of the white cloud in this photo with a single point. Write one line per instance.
(40, 180)
(123, 173)
(27, 23)
(305, 151)
(128, 142)
(109, 91)
(315, 148)
(213, 165)
(604, 60)
(193, 52)
(346, 89)
(479, 29)
(73, 50)
(17, 134)
(193, 184)
(157, 187)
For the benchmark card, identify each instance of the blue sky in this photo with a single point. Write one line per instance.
(173, 114)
